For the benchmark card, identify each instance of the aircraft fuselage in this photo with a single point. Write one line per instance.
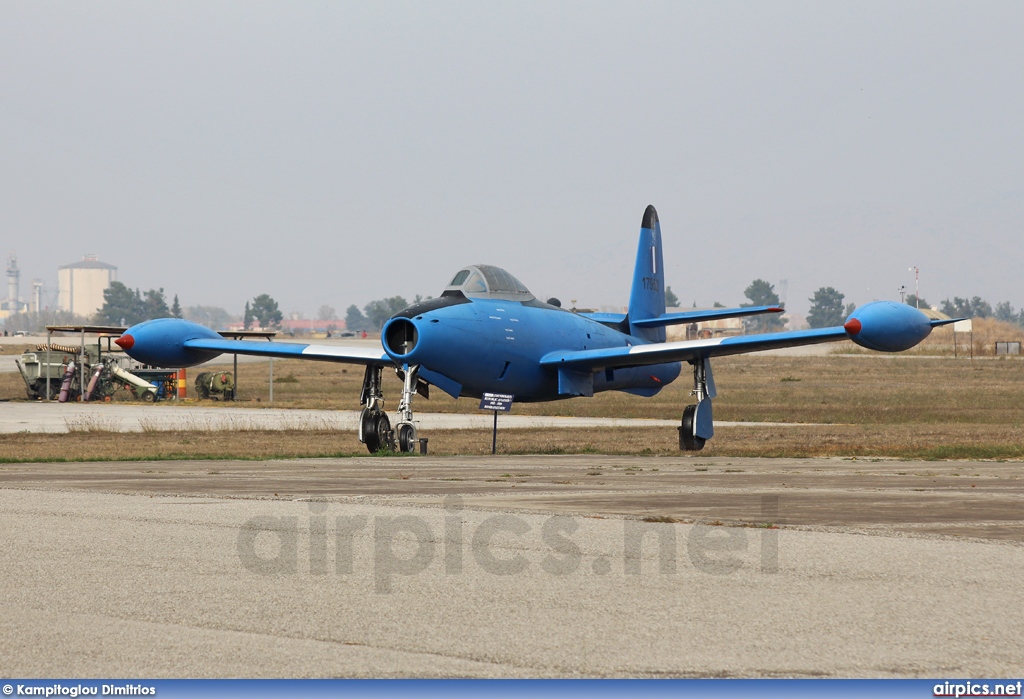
(489, 345)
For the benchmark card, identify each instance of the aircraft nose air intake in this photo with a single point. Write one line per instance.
(125, 342)
(400, 338)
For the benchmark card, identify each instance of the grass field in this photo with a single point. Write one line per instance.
(868, 406)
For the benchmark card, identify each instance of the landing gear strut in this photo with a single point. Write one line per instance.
(374, 426)
(406, 429)
(697, 426)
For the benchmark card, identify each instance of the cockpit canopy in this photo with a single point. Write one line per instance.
(488, 281)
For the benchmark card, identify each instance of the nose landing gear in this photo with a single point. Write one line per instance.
(405, 429)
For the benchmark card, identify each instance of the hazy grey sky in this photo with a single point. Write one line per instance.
(340, 152)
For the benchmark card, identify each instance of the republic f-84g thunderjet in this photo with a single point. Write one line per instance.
(487, 333)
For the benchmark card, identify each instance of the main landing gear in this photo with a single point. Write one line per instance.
(688, 440)
(374, 426)
(697, 425)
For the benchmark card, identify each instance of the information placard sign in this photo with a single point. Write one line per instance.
(497, 401)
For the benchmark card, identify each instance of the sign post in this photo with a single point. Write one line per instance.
(496, 402)
(964, 326)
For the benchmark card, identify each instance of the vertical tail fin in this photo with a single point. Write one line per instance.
(647, 298)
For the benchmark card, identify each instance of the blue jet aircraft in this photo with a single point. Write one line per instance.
(487, 333)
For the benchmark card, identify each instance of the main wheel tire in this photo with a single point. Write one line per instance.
(406, 438)
(382, 431)
(148, 397)
(368, 430)
(688, 441)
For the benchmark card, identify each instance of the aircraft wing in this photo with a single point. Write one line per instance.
(292, 350)
(883, 326)
(664, 352)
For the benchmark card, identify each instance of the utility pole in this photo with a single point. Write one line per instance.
(917, 285)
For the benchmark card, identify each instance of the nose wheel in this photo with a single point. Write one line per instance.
(407, 438)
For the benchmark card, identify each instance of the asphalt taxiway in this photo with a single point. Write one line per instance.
(513, 566)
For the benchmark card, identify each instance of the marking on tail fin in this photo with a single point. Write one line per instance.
(647, 294)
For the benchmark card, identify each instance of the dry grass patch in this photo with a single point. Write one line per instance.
(833, 389)
(900, 441)
(908, 407)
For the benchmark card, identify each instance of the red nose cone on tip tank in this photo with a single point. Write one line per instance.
(852, 326)
(125, 342)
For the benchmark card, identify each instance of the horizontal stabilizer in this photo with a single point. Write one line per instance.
(946, 321)
(701, 316)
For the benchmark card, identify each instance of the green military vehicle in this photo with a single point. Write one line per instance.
(216, 385)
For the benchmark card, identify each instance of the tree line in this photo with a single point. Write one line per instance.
(976, 307)
(376, 313)
(125, 306)
(829, 310)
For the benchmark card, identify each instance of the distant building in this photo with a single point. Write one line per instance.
(13, 303)
(80, 285)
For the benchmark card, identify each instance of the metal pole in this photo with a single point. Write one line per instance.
(234, 396)
(81, 367)
(270, 339)
(494, 435)
(48, 335)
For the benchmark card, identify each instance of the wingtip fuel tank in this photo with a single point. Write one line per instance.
(160, 342)
(887, 326)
